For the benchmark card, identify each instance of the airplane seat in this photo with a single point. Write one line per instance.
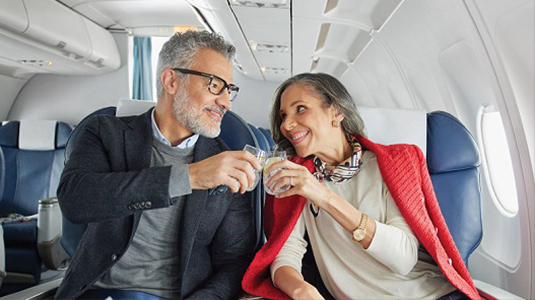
(33, 152)
(259, 215)
(235, 132)
(267, 134)
(453, 162)
(262, 140)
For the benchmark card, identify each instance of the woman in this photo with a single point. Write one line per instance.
(360, 204)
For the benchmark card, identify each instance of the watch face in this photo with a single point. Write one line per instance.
(359, 235)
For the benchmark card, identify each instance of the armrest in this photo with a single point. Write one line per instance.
(491, 292)
(48, 232)
(42, 291)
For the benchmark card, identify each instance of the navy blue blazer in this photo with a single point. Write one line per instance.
(109, 172)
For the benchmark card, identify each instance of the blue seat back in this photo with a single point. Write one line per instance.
(237, 133)
(32, 154)
(30, 174)
(453, 161)
(267, 134)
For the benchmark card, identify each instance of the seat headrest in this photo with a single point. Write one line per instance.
(37, 135)
(128, 107)
(447, 136)
(389, 126)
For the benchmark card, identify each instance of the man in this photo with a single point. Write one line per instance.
(141, 186)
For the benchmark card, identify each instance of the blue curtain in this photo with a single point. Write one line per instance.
(142, 85)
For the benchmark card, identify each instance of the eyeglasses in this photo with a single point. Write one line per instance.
(216, 85)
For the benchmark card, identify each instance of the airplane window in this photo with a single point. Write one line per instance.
(497, 163)
(156, 45)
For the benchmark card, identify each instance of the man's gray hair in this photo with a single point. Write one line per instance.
(327, 88)
(180, 51)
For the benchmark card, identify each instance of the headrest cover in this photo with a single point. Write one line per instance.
(395, 126)
(37, 135)
(450, 145)
(128, 107)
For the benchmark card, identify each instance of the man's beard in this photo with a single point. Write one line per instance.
(185, 113)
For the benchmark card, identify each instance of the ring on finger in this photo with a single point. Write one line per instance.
(291, 180)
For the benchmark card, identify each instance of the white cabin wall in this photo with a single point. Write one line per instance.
(254, 99)
(509, 29)
(71, 98)
(10, 88)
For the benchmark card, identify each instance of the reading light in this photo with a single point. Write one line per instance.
(271, 48)
(35, 62)
(261, 3)
(274, 70)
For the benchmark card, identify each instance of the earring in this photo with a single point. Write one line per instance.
(335, 124)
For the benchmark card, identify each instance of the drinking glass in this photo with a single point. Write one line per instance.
(261, 155)
(273, 157)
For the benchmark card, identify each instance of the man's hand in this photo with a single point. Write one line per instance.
(230, 168)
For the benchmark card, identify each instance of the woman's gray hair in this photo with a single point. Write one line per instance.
(331, 91)
(180, 50)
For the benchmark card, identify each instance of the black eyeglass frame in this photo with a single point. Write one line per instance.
(230, 87)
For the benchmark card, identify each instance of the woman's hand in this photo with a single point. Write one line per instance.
(302, 181)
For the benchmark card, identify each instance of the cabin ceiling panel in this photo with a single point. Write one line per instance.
(268, 38)
(367, 15)
(219, 17)
(135, 13)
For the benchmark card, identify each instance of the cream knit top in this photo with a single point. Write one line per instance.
(391, 268)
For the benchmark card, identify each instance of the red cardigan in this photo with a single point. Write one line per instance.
(405, 173)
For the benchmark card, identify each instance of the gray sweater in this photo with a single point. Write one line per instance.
(152, 261)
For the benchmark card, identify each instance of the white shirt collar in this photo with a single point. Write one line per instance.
(187, 143)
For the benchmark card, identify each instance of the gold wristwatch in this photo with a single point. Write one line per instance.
(360, 233)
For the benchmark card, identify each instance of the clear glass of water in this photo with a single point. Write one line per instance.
(261, 155)
(273, 157)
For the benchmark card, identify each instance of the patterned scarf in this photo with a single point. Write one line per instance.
(342, 173)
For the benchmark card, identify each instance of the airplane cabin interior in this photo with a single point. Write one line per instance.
(454, 77)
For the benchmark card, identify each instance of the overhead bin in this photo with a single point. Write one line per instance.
(13, 15)
(329, 36)
(57, 26)
(104, 54)
(55, 39)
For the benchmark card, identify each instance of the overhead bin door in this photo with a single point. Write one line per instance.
(59, 27)
(13, 15)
